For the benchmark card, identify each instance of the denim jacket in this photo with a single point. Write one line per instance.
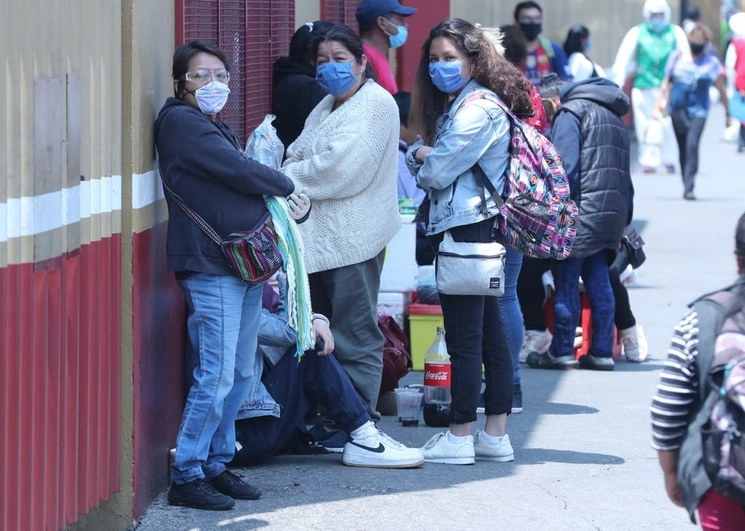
(477, 132)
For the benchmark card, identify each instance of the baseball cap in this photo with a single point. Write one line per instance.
(369, 10)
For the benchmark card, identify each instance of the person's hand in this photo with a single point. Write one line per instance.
(422, 152)
(728, 121)
(673, 489)
(299, 206)
(322, 331)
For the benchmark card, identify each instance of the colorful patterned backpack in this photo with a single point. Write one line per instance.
(538, 217)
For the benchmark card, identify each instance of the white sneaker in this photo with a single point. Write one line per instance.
(535, 341)
(375, 449)
(634, 342)
(501, 452)
(439, 449)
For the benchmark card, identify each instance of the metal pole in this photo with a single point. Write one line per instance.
(683, 10)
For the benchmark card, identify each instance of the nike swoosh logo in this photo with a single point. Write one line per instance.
(379, 450)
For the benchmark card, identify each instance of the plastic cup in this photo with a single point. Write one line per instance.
(409, 406)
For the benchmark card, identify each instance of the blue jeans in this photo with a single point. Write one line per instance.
(222, 326)
(509, 307)
(594, 272)
(297, 387)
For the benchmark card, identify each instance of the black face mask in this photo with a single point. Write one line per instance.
(697, 47)
(531, 30)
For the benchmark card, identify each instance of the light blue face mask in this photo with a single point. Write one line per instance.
(447, 76)
(335, 78)
(587, 46)
(399, 38)
(657, 24)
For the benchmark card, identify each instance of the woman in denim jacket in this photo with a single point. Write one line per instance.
(461, 72)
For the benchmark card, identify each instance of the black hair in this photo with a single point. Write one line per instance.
(526, 5)
(301, 40)
(740, 238)
(551, 85)
(338, 33)
(575, 39)
(694, 13)
(515, 47)
(182, 57)
(403, 100)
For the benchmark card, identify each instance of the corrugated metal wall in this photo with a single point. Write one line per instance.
(59, 260)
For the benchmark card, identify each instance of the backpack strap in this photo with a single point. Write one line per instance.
(712, 309)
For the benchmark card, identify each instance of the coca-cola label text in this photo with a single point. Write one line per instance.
(437, 374)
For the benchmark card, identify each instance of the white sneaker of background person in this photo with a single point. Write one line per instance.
(634, 342)
(370, 447)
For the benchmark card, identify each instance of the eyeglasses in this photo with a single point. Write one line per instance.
(203, 76)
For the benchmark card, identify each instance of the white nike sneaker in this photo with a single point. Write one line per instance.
(535, 341)
(375, 449)
(439, 449)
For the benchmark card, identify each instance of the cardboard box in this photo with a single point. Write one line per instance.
(423, 322)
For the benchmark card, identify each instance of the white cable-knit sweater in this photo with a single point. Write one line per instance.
(347, 160)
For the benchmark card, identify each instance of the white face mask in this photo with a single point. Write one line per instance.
(211, 98)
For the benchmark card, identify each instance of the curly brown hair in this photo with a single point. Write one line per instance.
(490, 69)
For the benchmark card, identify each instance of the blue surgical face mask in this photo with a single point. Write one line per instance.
(399, 38)
(657, 24)
(447, 76)
(587, 46)
(335, 78)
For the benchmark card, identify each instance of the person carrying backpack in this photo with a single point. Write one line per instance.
(697, 424)
(459, 59)
(593, 141)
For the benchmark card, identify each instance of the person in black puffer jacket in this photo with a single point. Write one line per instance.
(295, 91)
(594, 144)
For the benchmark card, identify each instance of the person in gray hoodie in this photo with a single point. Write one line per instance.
(594, 144)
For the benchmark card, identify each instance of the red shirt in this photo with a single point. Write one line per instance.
(382, 68)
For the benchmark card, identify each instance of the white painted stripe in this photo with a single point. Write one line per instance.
(146, 189)
(28, 216)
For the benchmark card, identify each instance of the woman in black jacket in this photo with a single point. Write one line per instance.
(202, 161)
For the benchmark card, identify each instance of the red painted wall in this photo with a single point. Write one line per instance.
(429, 14)
(60, 386)
(159, 318)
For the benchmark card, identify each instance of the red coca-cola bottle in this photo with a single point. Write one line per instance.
(437, 383)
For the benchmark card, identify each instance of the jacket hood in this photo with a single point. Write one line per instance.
(285, 66)
(170, 104)
(600, 91)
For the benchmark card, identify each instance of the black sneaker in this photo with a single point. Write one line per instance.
(233, 485)
(547, 361)
(199, 494)
(517, 402)
(588, 361)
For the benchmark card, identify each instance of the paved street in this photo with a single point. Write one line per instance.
(582, 444)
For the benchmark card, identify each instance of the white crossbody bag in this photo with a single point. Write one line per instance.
(470, 268)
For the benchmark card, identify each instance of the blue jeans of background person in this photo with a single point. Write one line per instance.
(475, 334)
(297, 388)
(222, 326)
(509, 306)
(594, 272)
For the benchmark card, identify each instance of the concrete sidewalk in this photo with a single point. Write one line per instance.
(582, 445)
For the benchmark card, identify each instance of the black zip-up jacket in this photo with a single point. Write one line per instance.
(203, 162)
(594, 145)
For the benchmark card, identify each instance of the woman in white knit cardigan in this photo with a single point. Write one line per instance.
(346, 158)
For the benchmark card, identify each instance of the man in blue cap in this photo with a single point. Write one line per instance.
(382, 27)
